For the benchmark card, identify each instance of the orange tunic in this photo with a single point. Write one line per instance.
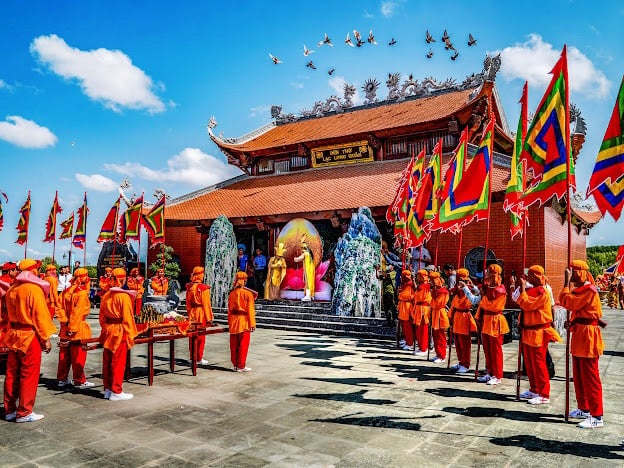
(422, 304)
(463, 321)
(198, 305)
(536, 319)
(160, 286)
(490, 313)
(54, 301)
(105, 284)
(439, 314)
(117, 320)
(584, 305)
(406, 301)
(241, 310)
(27, 315)
(78, 308)
(135, 283)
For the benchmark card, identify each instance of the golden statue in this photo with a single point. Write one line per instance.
(309, 275)
(275, 273)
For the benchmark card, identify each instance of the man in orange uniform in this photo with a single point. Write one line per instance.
(439, 316)
(462, 320)
(535, 322)
(160, 283)
(406, 304)
(117, 335)
(199, 310)
(105, 281)
(28, 333)
(421, 310)
(241, 321)
(135, 283)
(493, 324)
(73, 330)
(9, 272)
(54, 302)
(586, 345)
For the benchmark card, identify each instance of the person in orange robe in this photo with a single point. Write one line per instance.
(493, 324)
(53, 299)
(586, 345)
(160, 283)
(4, 287)
(105, 281)
(135, 283)
(535, 323)
(76, 328)
(28, 333)
(241, 321)
(462, 320)
(9, 272)
(422, 310)
(405, 306)
(199, 310)
(439, 316)
(117, 335)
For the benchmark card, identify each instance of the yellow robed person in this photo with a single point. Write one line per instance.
(275, 274)
(309, 275)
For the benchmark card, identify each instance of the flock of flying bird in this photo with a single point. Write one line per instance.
(359, 42)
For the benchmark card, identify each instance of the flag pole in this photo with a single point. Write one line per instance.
(27, 226)
(524, 251)
(115, 230)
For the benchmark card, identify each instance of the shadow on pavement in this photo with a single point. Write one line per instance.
(579, 449)
(457, 392)
(489, 412)
(357, 381)
(327, 365)
(355, 397)
(374, 421)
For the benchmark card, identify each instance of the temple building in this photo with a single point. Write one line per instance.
(326, 162)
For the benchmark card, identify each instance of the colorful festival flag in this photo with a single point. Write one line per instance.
(22, 224)
(397, 211)
(416, 236)
(155, 222)
(108, 232)
(620, 259)
(130, 222)
(607, 180)
(393, 209)
(68, 227)
(433, 175)
(546, 151)
(50, 234)
(1, 213)
(80, 234)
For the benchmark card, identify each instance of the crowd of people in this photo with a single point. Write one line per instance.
(31, 300)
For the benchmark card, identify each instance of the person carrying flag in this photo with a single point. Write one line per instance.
(105, 281)
(422, 310)
(405, 306)
(135, 283)
(439, 316)
(462, 320)
(199, 310)
(160, 283)
(241, 321)
(54, 302)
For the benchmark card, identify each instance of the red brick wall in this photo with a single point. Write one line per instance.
(188, 244)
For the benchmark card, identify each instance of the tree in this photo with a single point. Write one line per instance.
(172, 268)
(601, 257)
(45, 261)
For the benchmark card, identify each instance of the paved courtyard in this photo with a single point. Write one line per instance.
(314, 400)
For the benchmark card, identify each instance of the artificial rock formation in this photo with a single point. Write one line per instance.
(221, 253)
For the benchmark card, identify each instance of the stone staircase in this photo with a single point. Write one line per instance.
(311, 317)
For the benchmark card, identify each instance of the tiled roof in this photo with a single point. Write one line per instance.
(589, 217)
(345, 187)
(358, 121)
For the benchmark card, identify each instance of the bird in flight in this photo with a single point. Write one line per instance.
(392, 42)
(311, 65)
(430, 54)
(455, 55)
(471, 40)
(348, 41)
(358, 37)
(275, 59)
(448, 45)
(327, 41)
(445, 36)
(306, 51)
(371, 38)
(331, 71)
(429, 38)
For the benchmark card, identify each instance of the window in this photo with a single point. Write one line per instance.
(397, 147)
(282, 167)
(265, 166)
(298, 162)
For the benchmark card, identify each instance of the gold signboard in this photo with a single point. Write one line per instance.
(337, 155)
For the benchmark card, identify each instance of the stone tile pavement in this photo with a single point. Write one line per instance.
(314, 400)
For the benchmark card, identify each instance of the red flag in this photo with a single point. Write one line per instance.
(51, 223)
(2, 214)
(108, 232)
(130, 222)
(155, 222)
(68, 227)
(22, 224)
(392, 214)
(80, 234)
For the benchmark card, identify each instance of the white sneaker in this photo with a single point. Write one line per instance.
(539, 400)
(244, 369)
(10, 416)
(235, 369)
(579, 414)
(401, 342)
(455, 366)
(63, 383)
(107, 394)
(408, 348)
(589, 423)
(54, 335)
(121, 396)
(85, 385)
(484, 378)
(494, 381)
(462, 370)
(32, 417)
(528, 394)
(437, 360)
(420, 353)
(306, 299)
(203, 362)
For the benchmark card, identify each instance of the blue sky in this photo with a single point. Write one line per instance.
(95, 91)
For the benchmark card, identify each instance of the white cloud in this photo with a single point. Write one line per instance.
(534, 59)
(104, 75)
(25, 133)
(191, 166)
(296, 84)
(35, 252)
(337, 83)
(97, 182)
(259, 111)
(368, 15)
(3, 84)
(388, 8)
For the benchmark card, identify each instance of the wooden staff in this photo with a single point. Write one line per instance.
(430, 338)
(519, 369)
(569, 216)
(478, 353)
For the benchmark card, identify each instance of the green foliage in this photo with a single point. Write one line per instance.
(601, 257)
(92, 269)
(45, 261)
(172, 269)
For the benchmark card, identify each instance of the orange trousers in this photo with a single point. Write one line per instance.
(22, 379)
(422, 335)
(463, 346)
(493, 350)
(408, 332)
(239, 346)
(536, 369)
(587, 385)
(439, 343)
(75, 357)
(114, 368)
